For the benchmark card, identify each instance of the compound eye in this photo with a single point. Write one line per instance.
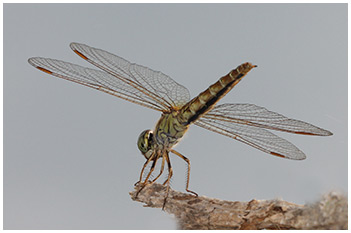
(145, 141)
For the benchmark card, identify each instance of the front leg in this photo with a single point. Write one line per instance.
(142, 170)
(143, 184)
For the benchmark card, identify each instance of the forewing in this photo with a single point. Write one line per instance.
(95, 79)
(164, 91)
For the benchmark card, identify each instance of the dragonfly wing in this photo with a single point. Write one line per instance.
(158, 86)
(250, 114)
(248, 123)
(256, 137)
(95, 79)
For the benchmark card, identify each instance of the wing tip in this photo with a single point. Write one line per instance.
(73, 45)
(76, 45)
(327, 133)
(32, 61)
(321, 132)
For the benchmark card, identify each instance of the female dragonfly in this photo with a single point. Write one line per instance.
(246, 123)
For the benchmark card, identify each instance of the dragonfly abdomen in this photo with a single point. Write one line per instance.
(206, 100)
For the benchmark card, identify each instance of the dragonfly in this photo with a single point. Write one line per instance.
(246, 123)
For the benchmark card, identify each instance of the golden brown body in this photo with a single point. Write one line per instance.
(172, 126)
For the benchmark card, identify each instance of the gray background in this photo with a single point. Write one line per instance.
(70, 155)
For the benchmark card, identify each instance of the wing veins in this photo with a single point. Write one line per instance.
(250, 114)
(129, 82)
(258, 138)
(154, 89)
(95, 57)
(103, 86)
(247, 122)
(51, 65)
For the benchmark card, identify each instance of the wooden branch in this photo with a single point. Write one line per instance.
(209, 213)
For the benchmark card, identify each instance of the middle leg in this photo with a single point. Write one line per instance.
(170, 173)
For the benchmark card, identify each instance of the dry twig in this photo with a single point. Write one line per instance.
(209, 213)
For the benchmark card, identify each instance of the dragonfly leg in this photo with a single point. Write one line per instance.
(150, 171)
(142, 170)
(161, 170)
(170, 173)
(188, 173)
(143, 184)
(170, 169)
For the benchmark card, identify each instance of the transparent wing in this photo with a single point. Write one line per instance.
(250, 114)
(245, 123)
(160, 88)
(96, 79)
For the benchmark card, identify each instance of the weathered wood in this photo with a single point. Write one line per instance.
(209, 213)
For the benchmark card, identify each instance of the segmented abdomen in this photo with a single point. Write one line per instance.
(206, 100)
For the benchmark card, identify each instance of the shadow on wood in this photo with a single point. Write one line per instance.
(209, 213)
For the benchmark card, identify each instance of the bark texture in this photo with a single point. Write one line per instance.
(209, 213)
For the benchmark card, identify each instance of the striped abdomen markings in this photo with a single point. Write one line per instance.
(206, 100)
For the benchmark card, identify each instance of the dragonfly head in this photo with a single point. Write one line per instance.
(145, 142)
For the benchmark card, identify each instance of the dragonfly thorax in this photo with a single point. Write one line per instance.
(145, 143)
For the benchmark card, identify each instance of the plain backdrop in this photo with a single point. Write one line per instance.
(70, 155)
